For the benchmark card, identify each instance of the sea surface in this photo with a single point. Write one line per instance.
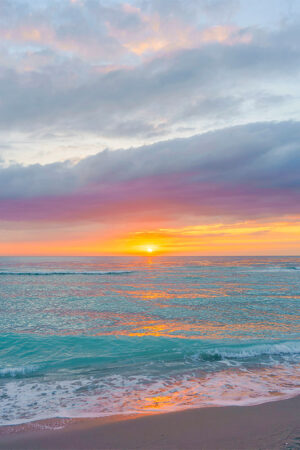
(99, 336)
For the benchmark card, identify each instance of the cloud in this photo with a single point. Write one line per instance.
(95, 29)
(221, 10)
(95, 74)
(156, 95)
(118, 71)
(242, 172)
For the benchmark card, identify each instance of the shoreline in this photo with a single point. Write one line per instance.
(274, 424)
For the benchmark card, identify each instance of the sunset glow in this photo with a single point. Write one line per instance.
(241, 238)
(142, 129)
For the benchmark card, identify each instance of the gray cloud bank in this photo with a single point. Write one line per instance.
(248, 170)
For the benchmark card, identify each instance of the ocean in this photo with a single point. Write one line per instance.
(100, 336)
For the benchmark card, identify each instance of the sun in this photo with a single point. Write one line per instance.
(149, 249)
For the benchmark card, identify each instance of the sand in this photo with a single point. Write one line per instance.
(273, 425)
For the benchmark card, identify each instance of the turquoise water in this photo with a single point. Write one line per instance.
(89, 337)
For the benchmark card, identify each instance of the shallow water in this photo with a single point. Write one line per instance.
(86, 337)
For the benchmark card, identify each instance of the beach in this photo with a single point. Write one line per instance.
(273, 425)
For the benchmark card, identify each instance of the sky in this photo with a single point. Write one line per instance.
(168, 127)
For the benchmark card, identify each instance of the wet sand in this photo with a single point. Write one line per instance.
(274, 425)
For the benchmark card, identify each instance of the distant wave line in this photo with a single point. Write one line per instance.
(69, 272)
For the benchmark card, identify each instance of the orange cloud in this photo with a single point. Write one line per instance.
(46, 35)
(280, 237)
(154, 35)
(159, 34)
(248, 238)
(225, 34)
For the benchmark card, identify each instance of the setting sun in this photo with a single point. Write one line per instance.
(149, 249)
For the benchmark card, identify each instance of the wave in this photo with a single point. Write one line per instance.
(135, 354)
(81, 376)
(13, 372)
(68, 272)
(246, 351)
(98, 397)
(274, 269)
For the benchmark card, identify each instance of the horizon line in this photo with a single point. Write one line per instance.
(145, 255)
